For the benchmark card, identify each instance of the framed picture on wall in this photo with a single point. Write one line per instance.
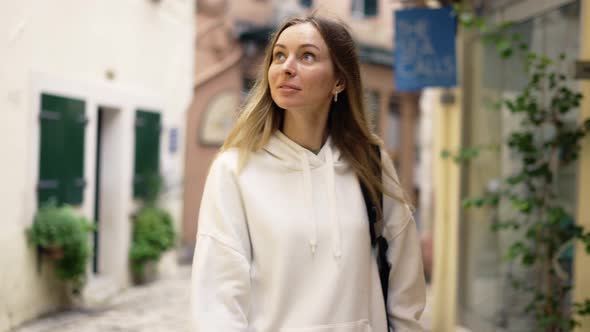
(218, 118)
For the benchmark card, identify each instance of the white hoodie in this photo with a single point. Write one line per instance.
(284, 246)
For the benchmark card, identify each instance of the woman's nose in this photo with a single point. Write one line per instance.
(289, 67)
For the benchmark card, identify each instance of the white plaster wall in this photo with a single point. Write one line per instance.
(428, 105)
(66, 47)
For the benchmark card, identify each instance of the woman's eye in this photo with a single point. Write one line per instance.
(279, 56)
(308, 57)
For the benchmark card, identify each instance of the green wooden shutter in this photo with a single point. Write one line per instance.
(51, 149)
(371, 8)
(61, 156)
(147, 150)
(74, 143)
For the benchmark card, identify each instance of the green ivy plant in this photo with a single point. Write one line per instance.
(153, 234)
(63, 236)
(153, 230)
(548, 226)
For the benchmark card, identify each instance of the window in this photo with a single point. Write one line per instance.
(147, 151)
(305, 3)
(61, 153)
(392, 138)
(364, 8)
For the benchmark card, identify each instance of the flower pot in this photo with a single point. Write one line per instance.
(148, 274)
(53, 252)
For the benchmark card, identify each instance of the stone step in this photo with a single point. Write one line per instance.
(99, 291)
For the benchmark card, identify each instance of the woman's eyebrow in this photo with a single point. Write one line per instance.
(300, 46)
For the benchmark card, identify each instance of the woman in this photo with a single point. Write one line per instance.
(283, 243)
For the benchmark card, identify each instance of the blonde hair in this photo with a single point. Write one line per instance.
(261, 117)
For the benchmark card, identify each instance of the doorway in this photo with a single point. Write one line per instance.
(108, 156)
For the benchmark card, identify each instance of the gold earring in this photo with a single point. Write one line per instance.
(336, 97)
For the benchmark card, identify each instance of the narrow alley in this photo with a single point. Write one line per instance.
(453, 136)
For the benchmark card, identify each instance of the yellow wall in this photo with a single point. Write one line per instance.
(448, 122)
(582, 259)
(446, 220)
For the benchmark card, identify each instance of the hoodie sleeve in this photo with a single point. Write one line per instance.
(220, 295)
(407, 288)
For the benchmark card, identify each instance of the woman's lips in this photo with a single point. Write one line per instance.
(289, 88)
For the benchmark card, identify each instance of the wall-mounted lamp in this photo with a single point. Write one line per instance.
(582, 70)
(110, 74)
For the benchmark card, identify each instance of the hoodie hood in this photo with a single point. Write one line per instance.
(294, 157)
(287, 153)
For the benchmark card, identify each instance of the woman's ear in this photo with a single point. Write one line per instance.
(339, 86)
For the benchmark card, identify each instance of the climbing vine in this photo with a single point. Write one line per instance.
(544, 142)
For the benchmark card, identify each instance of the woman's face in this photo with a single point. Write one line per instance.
(301, 73)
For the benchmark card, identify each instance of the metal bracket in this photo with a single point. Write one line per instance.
(447, 97)
(582, 70)
(47, 184)
(49, 115)
(80, 182)
(83, 120)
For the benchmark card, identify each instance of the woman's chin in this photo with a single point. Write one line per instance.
(288, 105)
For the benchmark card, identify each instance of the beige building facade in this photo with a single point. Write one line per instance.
(112, 58)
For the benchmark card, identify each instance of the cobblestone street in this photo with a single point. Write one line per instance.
(162, 306)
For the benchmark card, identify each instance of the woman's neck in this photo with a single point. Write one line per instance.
(308, 129)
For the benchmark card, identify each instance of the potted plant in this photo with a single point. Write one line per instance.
(63, 237)
(153, 232)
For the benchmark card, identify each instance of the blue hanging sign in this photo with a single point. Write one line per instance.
(424, 54)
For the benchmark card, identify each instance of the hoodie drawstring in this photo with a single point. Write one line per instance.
(332, 211)
(307, 192)
(337, 246)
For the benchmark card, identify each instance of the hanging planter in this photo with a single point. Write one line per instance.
(54, 253)
(62, 237)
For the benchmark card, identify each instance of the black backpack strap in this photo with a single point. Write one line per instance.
(377, 239)
(371, 208)
(371, 213)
